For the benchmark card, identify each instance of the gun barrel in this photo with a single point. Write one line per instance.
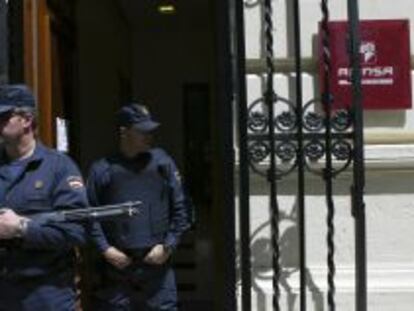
(99, 213)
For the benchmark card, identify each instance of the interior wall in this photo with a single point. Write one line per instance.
(166, 55)
(104, 54)
(159, 58)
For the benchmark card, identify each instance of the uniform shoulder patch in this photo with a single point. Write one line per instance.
(75, 182)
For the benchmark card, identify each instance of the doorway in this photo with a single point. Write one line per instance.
(172, 56)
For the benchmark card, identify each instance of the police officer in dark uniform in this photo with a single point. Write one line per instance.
(36, 258)
(138, 250)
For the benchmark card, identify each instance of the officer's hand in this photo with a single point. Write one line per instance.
(117, 258)
(158, 255)
(10, 224)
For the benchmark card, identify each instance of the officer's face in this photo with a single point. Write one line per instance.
(13, 125)
(137, 140)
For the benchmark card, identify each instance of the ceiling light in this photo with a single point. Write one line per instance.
(166, 9)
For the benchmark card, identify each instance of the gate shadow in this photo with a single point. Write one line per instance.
(261, 255)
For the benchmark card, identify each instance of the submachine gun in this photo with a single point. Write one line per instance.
(85, 214)
(82, 215)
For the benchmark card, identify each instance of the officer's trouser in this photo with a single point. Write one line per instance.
(138, 287)
(29, 295)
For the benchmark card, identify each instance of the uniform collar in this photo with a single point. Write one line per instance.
(38, 153)
(143, 156)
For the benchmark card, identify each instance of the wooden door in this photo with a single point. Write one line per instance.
(49, 53)
(48, 67)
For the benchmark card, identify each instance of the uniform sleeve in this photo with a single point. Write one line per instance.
(68, 192)
(179, 219)
(97, 178)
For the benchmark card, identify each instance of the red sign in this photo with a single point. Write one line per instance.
(385, 64)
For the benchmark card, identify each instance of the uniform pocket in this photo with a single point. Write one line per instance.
(36, 202)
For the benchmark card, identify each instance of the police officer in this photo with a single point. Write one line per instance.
(36, 258)
(138, 250)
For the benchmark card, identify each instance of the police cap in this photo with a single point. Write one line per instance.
(137, 116)
(14, 96)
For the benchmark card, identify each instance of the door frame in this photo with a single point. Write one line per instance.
(225, 87)
(37, 58)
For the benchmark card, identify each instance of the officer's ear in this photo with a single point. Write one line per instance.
(29, 120)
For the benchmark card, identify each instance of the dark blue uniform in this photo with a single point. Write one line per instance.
(151, 177)
(38, 272)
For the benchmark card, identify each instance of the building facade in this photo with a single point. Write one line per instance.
(389, 152)
(83, 59)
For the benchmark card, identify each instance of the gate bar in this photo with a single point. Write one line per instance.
(358, 206)
(328, 171)
(300, 155)
(269, 99)
(239, 80)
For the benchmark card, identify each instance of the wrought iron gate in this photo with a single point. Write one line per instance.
(279, 136)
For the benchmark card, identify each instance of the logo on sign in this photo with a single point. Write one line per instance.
(368, 51)
(372, 73)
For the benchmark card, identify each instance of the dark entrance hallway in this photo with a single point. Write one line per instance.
(85, 58)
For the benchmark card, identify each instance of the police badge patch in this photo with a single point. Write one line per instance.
(38, 184)
(75, 182)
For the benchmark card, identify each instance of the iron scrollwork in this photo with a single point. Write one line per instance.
(285, 124)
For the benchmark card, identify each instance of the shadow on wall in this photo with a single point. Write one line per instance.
(262, 253)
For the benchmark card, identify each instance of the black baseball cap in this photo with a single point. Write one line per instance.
(14, 96)
(137, 116)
